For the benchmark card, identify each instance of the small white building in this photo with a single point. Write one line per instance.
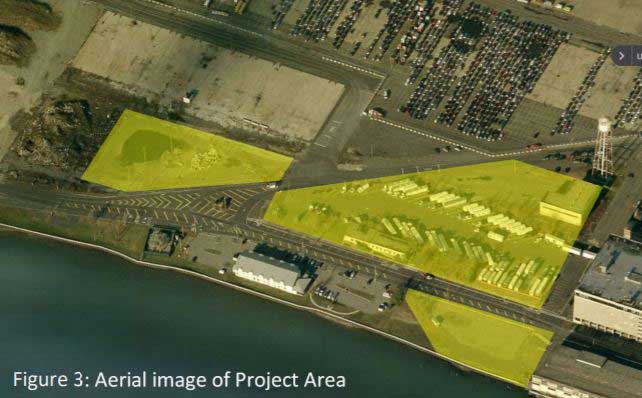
(271, 272)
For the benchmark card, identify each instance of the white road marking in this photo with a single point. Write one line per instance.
(488, 154)
(205, 17)
(354, 67)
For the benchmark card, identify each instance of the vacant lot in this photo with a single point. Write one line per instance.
(563, 76)
(500, 346)
(234, 89)
(612, 86)
(145, 153)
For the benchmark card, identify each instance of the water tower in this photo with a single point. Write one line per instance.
(603, 159)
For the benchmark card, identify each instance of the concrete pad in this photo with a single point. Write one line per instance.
(234, 89)
(612, 86)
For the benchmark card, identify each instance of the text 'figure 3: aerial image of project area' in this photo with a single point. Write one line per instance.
(321, 198)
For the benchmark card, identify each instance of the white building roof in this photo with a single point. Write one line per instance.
(271, 268)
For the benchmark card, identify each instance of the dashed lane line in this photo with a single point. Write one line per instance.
(431, 136)
(205, 17)
(498, 154)
(353, 67)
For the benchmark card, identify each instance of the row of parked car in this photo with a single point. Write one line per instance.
(326, 293)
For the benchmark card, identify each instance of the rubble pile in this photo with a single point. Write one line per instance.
(60, 136)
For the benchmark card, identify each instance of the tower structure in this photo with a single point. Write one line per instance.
(603, 159)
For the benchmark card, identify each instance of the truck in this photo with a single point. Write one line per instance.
(377, 113)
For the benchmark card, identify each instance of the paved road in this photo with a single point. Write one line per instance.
(185, 209)
(626, 197)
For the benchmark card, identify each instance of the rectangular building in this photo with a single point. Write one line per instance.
(271, 272)
(609, 297)
(566, 205)
(567, 372)
(379, 243)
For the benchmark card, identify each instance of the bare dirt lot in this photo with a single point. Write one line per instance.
(623, 15)
(563, 76)
(233, 88)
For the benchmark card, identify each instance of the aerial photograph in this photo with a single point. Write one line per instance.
(321, 198)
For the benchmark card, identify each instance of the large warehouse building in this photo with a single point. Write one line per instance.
(609, 297)
(269, 271)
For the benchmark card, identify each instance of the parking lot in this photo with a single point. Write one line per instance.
(213, 250)
(612, 85)
(353, 288)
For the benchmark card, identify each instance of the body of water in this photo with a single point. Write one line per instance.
(65, 309)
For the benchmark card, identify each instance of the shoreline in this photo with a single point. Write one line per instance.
(316, 311)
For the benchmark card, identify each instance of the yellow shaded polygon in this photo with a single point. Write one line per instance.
(145, 153)
(500, 346)
(480, 226)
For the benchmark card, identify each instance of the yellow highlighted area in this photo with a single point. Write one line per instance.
(504, 228)
(500, 346)
(145, 153)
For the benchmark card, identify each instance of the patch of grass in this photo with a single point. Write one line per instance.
(145, 153)
(482, 226)
(503, 347)
(126, 238)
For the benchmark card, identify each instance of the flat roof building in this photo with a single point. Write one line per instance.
(271, 272)
(565, 204)
(609, 297)
(567, 372)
